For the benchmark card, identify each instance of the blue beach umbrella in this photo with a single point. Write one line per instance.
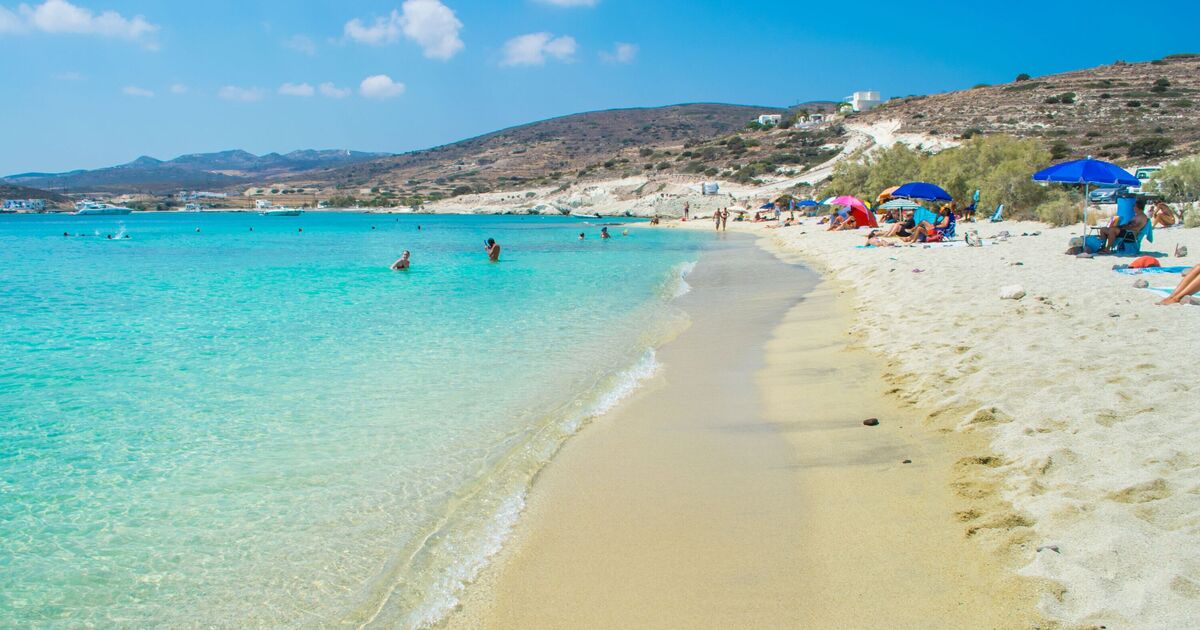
(1086, 172)
(922, 190)
(806, 202)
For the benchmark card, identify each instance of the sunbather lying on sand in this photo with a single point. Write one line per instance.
(1163, 215)
(1190, 285)
(1111, 233)
(875, 240)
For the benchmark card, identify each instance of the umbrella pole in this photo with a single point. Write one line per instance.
(1086, 185)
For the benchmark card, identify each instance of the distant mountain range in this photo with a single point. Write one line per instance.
(194, 171)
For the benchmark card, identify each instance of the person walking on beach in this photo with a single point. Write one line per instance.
(724, 219)
(402, 263)
(687, 206)
(717, 219)
(493, 250)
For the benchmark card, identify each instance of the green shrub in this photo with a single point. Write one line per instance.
(1156, 146)
(998, 165)
(1182, 56)
(1023, 77)
(1133, 103)
(1183, 102)
(1059, 150)
(1180, 181)
(1191, 218)
(1060, 208)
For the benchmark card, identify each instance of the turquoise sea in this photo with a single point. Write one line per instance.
(226, 421)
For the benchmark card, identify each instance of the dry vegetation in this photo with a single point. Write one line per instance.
(1124, 111)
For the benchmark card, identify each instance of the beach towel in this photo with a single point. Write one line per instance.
(1163, 291)
(1129, 271)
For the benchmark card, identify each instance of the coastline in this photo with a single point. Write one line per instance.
(770, 505)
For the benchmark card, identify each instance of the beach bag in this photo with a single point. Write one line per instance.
(1144, 262)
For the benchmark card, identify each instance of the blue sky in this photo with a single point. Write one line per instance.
(91, 83)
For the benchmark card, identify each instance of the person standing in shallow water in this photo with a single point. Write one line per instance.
(717, 220)
(724, 219)
(402, 263)
(493, 250)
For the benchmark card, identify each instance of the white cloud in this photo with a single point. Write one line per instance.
(380, 86)
(621, 53)
(133, 90)
(571, 3)
(430, 24)
(10, 22)
(178, 88)
(62, 17)
(296, 89)
(301, 44)
(433, 26)
(532, 49)
(330, 90)
(385, 30)
(235, 93)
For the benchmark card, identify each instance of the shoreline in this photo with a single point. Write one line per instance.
(680, 508)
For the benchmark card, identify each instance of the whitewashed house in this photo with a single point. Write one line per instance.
(863, 101)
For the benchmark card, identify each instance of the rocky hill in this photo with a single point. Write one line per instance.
(224, 169)
(552, 151)
(1142, 111)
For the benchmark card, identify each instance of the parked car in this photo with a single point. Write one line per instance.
(1104, 195)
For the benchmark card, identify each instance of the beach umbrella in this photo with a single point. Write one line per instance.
(766, 206)
(922, 190)
(900, 204)
(1086, 172)
(858, 210)
(886, 194)
(807, 202)
(848, 201)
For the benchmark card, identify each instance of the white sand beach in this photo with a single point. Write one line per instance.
(1083, 392)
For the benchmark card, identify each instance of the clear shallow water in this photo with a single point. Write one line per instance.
(266, 427)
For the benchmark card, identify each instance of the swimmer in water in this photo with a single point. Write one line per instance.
(625, 232)
(581, 236)
(402, 263)
(493, 250)
(603, 232)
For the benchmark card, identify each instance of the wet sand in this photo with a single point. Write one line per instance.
(741, 489)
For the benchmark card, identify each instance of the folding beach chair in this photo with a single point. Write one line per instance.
(999, 215)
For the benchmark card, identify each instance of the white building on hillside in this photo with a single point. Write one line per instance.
(863, 101)
(770, 120)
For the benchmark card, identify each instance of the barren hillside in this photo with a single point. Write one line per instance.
(1146, 111)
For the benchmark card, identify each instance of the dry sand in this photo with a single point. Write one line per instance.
(1083, 389)
(741, 489)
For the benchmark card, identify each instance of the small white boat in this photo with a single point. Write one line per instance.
(93, 208)
(271, 210)
(584, 215)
